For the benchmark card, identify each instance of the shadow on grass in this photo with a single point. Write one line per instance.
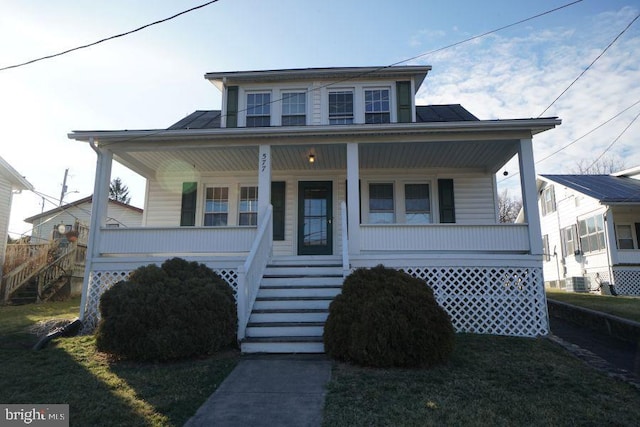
(100, 392)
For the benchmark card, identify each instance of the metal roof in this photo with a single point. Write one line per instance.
(607, 189)
(210, 119)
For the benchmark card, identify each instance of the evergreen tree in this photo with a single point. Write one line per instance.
(118, 191)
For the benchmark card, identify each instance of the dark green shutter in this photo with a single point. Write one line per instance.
(188, 209)
(446, 200)
(403, 92)
(637, 235)
(278, 200)
(232, 106)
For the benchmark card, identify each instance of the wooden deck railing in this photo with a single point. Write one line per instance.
(17, 254)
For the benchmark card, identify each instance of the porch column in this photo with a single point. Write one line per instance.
(264, 180)
(530, 195)
(610, 236)
(353, 197)
(99, 205)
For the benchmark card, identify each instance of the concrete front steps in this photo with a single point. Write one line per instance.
(292, 305)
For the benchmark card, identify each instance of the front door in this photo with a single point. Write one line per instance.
(315, 218)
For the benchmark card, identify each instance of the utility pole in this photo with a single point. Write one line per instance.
(64, 186)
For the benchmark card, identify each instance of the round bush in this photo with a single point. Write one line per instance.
(387, 318)
(181, 309)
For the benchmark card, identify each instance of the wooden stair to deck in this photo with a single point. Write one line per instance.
(291, 307)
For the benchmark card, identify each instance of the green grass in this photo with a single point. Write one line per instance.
(99, 391)
(497, 381)
(621, 306)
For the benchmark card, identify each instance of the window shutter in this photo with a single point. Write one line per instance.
(403, 92)
(232, 106)
(637, 235)
(278, 200)
(188, 208)
(446, 199)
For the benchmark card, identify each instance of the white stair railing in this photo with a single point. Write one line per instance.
(346, 268)
(250, 273)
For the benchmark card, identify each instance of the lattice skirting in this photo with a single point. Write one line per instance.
(490, 300)
(627, 282)
(100, 281)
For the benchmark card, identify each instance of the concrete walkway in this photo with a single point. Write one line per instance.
(269, 390)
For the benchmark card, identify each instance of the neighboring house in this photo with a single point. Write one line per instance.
(305, 174)
(10, 182)
(591, 231)
(48, 225)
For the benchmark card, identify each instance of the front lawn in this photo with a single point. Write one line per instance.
(99, 391)
(621, 306)
(497, 381)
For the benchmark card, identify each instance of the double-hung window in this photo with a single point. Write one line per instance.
(548, 201)
(624, 234)
(377, 106)
(258, 109)
(569, 241)
(381, 205)
(592, 234)
(294, 109)
(417, 204)
(248, 209)
(216, 206)
(341, 107)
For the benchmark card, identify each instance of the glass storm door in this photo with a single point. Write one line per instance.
(315, 220)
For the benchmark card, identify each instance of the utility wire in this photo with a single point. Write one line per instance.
(590, 65)
(108, 38)
(614, 141)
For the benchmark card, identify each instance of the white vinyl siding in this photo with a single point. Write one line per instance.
(6, 195)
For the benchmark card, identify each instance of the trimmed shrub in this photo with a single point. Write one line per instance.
(181, 309)
(387, 318)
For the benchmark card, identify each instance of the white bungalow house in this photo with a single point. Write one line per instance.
(306, 174)
(591, 231)
(49, 224)
(10, 182)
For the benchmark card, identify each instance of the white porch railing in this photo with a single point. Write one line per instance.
(628, 257)
(346, 267)
(250, 273)
(160, 240)
(445, 237)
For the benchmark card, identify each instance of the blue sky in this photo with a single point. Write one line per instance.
(153, 78)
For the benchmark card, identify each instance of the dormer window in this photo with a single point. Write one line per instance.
(294, 109)
(377, 106)
(341, 107)
(258, 109)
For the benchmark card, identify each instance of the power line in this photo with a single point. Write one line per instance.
(614, 141)
(108, 38)
(590, 65)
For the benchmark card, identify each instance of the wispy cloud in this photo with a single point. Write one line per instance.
(512, 77)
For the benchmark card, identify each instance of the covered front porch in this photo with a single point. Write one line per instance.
(355, 204)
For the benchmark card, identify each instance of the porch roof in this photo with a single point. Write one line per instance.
(471, 144)
(607, 189)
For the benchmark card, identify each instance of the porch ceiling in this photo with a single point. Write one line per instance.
(488, 155)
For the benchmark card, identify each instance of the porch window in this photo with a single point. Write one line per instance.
(417, 203)
(592, 234)
(381, 204)
(548, 201)
(341, 107)
(377, 106)
(569, 241)
(248, 209)
(624, 236)
(258, 109)
(294, 109)
(216, 206)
